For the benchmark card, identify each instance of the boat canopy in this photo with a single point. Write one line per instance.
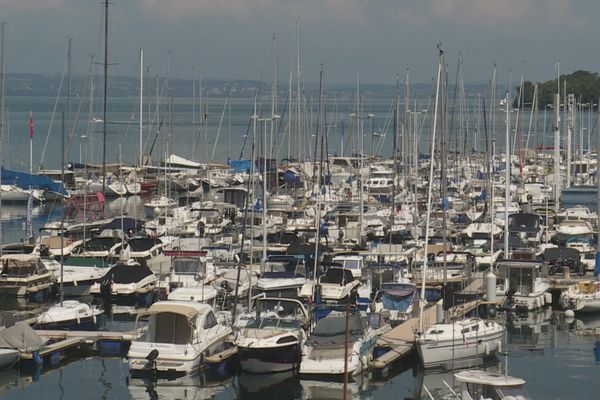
(188, 309)
(27, 181)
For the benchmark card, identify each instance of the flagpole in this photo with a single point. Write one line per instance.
(31, 142)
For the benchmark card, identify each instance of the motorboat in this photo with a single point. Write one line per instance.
(338, 285)
(457, 341)
(160, 206)
(323, 351)
(395, 301)
(24, 275)
(271, 340)
(229, 279)
(179, 338)
(282, 276)
(574, 227)
(78, 274)
(582, 297)
(521, 286)
(14, 194)
(126, 280)
(142, 248)
(478, 384)
(190, 269)
(353, 263)
(69, 315)
(104, 246)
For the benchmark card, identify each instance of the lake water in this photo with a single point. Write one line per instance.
(556, 363)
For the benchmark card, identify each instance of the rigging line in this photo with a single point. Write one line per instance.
(62, 78)
(74, 125)
(279, 126)
(212, 155)
(451, 128)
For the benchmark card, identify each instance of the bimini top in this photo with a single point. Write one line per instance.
(488, 378)
(21, 257)
(189, 309)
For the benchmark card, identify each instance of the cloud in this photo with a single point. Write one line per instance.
(30, 5)
(484, 12)
(351, 11)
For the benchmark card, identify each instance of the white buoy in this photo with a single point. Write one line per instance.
(490, 287)
(570, 314)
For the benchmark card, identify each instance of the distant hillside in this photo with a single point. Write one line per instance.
(47, 85)
(584, 85)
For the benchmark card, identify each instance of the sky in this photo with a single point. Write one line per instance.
(231, 39)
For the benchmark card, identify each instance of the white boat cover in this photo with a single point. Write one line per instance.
(21, 337)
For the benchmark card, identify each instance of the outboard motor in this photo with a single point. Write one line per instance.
(509, 300)
(150, 366)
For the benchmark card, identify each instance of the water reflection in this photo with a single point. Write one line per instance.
(441, 384)
(532, 331)
(194, 387)
(259, 385)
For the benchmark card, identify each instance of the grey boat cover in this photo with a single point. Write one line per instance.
(21, 337)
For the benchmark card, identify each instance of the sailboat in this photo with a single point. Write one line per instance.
(444, 343)
(69, 315)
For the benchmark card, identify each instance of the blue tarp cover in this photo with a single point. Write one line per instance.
(25, 180)
(240, 166)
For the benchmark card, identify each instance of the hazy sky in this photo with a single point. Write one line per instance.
(232, 38)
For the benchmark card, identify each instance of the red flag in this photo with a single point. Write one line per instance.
(31, 125)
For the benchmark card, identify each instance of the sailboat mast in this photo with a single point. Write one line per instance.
(443, 156)
(141, 103)
(2, 29)
(395, 157)
(360, 154)
(429, 192)
(298, 86)
(507, 175)
(62, 221)
(69, 91)
(274, 116)
(104, 97)
(193, 104)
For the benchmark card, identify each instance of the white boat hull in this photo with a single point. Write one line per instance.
(439, 353)
(8, 357)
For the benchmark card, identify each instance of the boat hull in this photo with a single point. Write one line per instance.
(440, 353)
(8, 358)
(266, 360)
(84, 324)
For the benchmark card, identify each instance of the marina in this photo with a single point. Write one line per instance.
(176, 238)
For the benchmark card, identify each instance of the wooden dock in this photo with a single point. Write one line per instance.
(89, 335)
(400, 340)
(63, 341)
(46, 350)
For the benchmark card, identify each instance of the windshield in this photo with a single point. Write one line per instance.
(331, 330)
(188, 266)
(277, 314)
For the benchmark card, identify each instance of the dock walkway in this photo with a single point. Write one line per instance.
(401, 339)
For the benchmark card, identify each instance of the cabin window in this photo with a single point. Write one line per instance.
(436, 332)
(475, 327)
(210, 321)
(521, 280)
(466, 330)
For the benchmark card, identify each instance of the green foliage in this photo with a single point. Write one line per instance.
(584, 85)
